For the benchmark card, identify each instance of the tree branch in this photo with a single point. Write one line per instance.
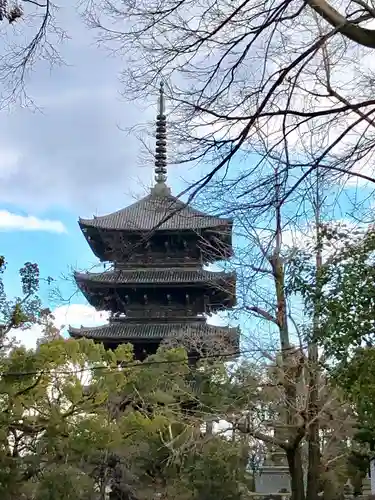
(350, 29)
(262, 313)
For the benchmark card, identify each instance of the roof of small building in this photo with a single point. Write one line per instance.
(154, 276)
(158, 211)
(127, 330)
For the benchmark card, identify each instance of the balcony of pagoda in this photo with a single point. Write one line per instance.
(146, 336)
(163, 259)
(161, 248)
(142, 285)
(164, 312)
(158, 301)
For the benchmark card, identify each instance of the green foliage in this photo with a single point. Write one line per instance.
(346, 301)
(340, 290)
(64, 483)
(215, 471)
(75, 417)
(357, 469)
(349, 299)
(23, 311)
(128, 424)
(356, 377)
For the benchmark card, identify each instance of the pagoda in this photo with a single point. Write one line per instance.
(157, 289)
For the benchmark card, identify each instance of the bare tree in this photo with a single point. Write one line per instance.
(271, 280)
(29, 32)
(287, 81)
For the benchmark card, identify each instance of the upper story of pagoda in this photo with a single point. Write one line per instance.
(159, 229)
(157, 288)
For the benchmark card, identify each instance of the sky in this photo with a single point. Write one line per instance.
(70, 155)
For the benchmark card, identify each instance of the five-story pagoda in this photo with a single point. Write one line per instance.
(157, 289)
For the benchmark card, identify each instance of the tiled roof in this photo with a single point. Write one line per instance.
(156, 212)
(127, 331)
(154, 276)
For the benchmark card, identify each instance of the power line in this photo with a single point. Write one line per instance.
(135, 364)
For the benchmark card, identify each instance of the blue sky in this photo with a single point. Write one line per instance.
(70, 157)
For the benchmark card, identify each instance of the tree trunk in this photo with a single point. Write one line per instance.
(313, 472)
(293, 454)
(209, 428)
(296, 473)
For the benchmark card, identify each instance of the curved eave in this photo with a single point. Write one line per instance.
(91, 224)
(226, 340)
(94, 241)
(76, 333)
(120, 331)
(110, 280)
(94, 238)
(214, 226)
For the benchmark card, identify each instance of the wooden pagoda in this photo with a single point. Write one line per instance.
(157, 290)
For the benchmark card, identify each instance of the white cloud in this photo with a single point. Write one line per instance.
(14, 222)
(9, 160)
(27, 338)
(304, 238)
(77, 315)
(74, 315)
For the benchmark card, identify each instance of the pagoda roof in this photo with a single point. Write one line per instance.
(127, 330)
(153, 276)
(157, 211)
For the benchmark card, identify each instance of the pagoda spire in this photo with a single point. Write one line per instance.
(161, 140)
